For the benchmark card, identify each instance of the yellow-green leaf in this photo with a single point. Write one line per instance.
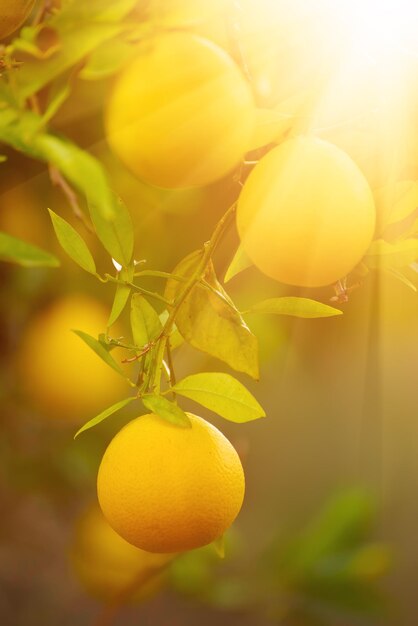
(104, 414)
(120, 300)
(72, 243)
(384, 255)
(100, 350)
(239, 263)
(209, 321)
(17, 251)
(297, 307)
(222, 394)
(145, 323)
(167, 410)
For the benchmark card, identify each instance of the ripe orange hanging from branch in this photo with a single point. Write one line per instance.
(306, 214)
(165, 488)
(181, 114)
(12, 15)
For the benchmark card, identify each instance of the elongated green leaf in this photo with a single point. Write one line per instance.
(119, 302)
(222, 394)
(167, 410)
(72, 243)
(219, 546)
(209, 321)
(239, 263)
(100, 350)
(297, 307)
(384, 255)
(104, 414)
(401, 277)
(145, 323)
(176, 340)
(395, 203)
(107, 59)
(110, 216)
(17, 251)
(115, 233)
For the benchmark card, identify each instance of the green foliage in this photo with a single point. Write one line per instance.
(145, 323)
(100, 350)
(105, 414)
(297, 307)
(17, 251)
(72, 243)
(120, 300)
(167, 410)
(112, 221)
(331, 566)
(66, 39)
(210, 322)
(222, 394)
(239, 263)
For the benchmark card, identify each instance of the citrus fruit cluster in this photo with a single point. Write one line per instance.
(183, 114)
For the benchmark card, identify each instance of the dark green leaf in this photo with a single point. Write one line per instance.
(104, 414)
(72, 243)
(100, 350)
(209, 321)
(222, 394)
(167, 410)
(145, 323)
(297, 307)
(17, 251)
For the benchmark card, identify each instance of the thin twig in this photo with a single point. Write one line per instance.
(58, 180)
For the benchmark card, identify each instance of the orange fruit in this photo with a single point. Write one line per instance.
(180, 114)
(107, 566)
(12, 15)
(169, 489)
(306, 213)
(61, 376)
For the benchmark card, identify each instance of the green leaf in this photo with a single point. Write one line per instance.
(72, 243)
(239, 263)
(100, 350)
(167, 410)
(104, 414)
(120, 300)
(384, 255)
(17, 251)
(219, 546)
(209, 321)
(401, 277)
(222, 394)
(78, 29)
(115, 233)
(106, 59)
(111, 219)
(176, 340)
(145, 323)
(396, 202)
(297, 307)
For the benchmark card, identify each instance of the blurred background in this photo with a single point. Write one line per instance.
(327, 534)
